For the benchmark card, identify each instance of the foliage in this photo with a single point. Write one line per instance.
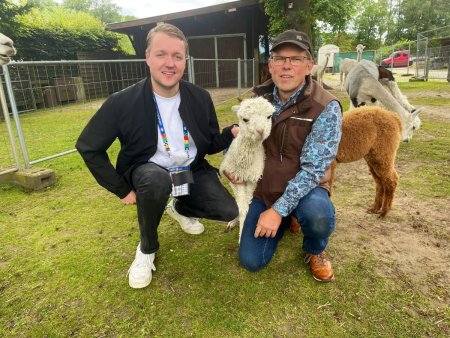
(274, 9)
(58, 33)
(345, 41)
(416, 16)
(309, 16)
(8, 13)
(331, 14)
(370, 30)
(104, 10)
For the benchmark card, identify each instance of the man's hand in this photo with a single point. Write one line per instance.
(233, 179)
(130, 198)
(235, 130)
(268, 223)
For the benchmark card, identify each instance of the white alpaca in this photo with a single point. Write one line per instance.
(7, 49)
(363, 86)
(245, 156)
(403, 100)
(318, 70)
(347, 64)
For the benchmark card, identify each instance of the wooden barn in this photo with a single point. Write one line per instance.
(223, 32)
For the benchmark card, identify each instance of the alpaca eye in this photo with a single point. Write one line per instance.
(245, 120)
(269, 117)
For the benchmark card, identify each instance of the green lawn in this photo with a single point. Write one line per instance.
(65, 252)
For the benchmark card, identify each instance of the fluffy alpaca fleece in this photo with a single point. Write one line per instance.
(7, 49)
(374, 134)
(245, 156)
(363, 86)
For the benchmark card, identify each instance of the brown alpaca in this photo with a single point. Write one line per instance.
(374, 134)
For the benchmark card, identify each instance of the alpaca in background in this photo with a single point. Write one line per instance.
(363, 87)
(318, 70)
(7, 49)
(347, 64)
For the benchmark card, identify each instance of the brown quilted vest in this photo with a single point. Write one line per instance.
(285, 142)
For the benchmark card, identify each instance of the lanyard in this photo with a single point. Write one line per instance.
(163, 133)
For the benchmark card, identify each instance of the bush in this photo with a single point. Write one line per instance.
(57, 33)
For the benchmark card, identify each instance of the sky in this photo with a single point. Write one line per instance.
(147, 8)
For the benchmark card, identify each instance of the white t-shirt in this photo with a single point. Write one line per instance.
(173, 125)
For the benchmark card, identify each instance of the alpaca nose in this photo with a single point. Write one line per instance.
(260, 131)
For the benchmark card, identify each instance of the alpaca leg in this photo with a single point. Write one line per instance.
(243, 199)
(332, 176)
(379, 194)
(231, 224)
(390, 182)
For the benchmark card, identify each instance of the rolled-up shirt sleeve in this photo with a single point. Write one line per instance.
(319, 150)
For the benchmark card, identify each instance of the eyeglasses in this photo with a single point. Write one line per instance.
(295, 60)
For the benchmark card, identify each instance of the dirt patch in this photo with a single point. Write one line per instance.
(412, 241)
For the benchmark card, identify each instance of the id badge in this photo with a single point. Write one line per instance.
(181, 178)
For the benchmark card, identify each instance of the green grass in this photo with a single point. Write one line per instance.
(65, 252)
(436, 86)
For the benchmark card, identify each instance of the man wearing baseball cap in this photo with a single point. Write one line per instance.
(303, 142)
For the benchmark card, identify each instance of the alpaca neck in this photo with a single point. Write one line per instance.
(391, 104)
(359, 56)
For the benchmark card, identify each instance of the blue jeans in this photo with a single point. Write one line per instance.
(314, 212)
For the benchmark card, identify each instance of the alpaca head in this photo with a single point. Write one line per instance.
(255, 118)
(6, 49)
(410, 124)
(360, 48)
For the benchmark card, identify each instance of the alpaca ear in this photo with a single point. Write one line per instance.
(416, 112)
(235, 108)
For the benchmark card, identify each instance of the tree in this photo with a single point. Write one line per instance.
(417, 16)
(104, 10)
(8, 13)
(370, 28)
(58, 33)
(309, 16)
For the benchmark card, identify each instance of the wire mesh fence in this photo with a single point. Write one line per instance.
(50, 102)
(433, 54)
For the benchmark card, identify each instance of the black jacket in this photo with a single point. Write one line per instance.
(130, 116)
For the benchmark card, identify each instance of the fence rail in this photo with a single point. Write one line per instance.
(63, 89)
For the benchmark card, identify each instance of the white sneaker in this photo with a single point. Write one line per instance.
(140, 272)
(190, 225)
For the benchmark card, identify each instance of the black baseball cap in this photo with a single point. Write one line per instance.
(294, 37)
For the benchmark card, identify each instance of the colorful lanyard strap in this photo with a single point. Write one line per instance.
(163, 133)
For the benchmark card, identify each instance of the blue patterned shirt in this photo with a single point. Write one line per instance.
(319, 150)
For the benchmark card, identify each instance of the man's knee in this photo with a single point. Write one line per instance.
(318, 226)
(251, 263)
(230, 211)
(251, 258)
(152, 178)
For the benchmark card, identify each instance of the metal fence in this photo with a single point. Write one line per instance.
(432, 62)
(52, 93)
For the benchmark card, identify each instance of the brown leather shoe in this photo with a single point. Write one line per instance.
(320, 267)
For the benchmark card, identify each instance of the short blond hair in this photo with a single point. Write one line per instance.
(168, 29)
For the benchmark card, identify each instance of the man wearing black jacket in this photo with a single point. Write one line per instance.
(165, 126)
